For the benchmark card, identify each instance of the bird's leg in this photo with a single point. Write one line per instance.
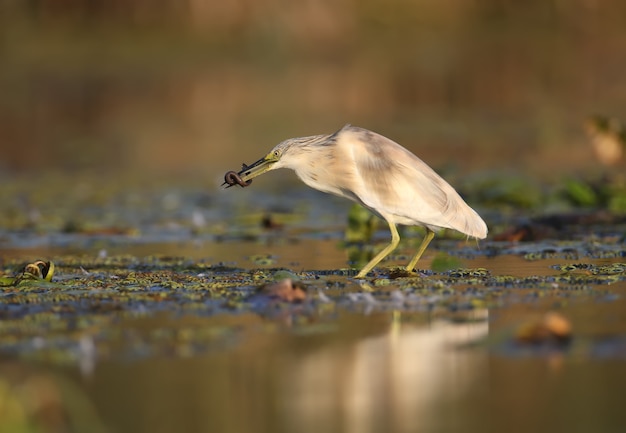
(429, 237)
(395, 240)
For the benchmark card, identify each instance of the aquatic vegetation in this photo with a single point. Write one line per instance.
(89, 296)
(105, 293)
(36, 272)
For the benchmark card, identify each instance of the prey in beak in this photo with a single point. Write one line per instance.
(244, 177)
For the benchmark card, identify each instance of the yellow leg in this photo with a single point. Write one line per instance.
(429, 237)
(395, 240)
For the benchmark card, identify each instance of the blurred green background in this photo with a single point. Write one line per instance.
(199, 86)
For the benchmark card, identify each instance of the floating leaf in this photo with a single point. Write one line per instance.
(36, 271)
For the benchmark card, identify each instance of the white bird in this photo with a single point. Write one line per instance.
(377, 173)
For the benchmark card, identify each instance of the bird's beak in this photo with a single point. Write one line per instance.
(258, 168)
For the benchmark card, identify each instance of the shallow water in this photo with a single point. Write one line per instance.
(368, 375)
(437, 352)
(156, 321)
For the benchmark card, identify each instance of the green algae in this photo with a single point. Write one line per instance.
(98, 298)
(110, 289)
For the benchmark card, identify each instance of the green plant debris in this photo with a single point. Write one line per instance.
(101, 289)
(96, 302)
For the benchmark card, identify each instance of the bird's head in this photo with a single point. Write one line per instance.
(267, 163)
(293, 153)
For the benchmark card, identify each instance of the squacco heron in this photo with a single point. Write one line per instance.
(377, 173)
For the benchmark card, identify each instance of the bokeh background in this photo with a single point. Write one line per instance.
(118, 120)
(196, 87)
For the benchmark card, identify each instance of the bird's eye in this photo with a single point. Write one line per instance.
(276, 153)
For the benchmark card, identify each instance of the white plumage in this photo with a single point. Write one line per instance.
(381, 175)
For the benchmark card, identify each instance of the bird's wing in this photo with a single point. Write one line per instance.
(399, 186)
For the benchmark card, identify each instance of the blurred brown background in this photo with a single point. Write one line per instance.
(199, 86)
